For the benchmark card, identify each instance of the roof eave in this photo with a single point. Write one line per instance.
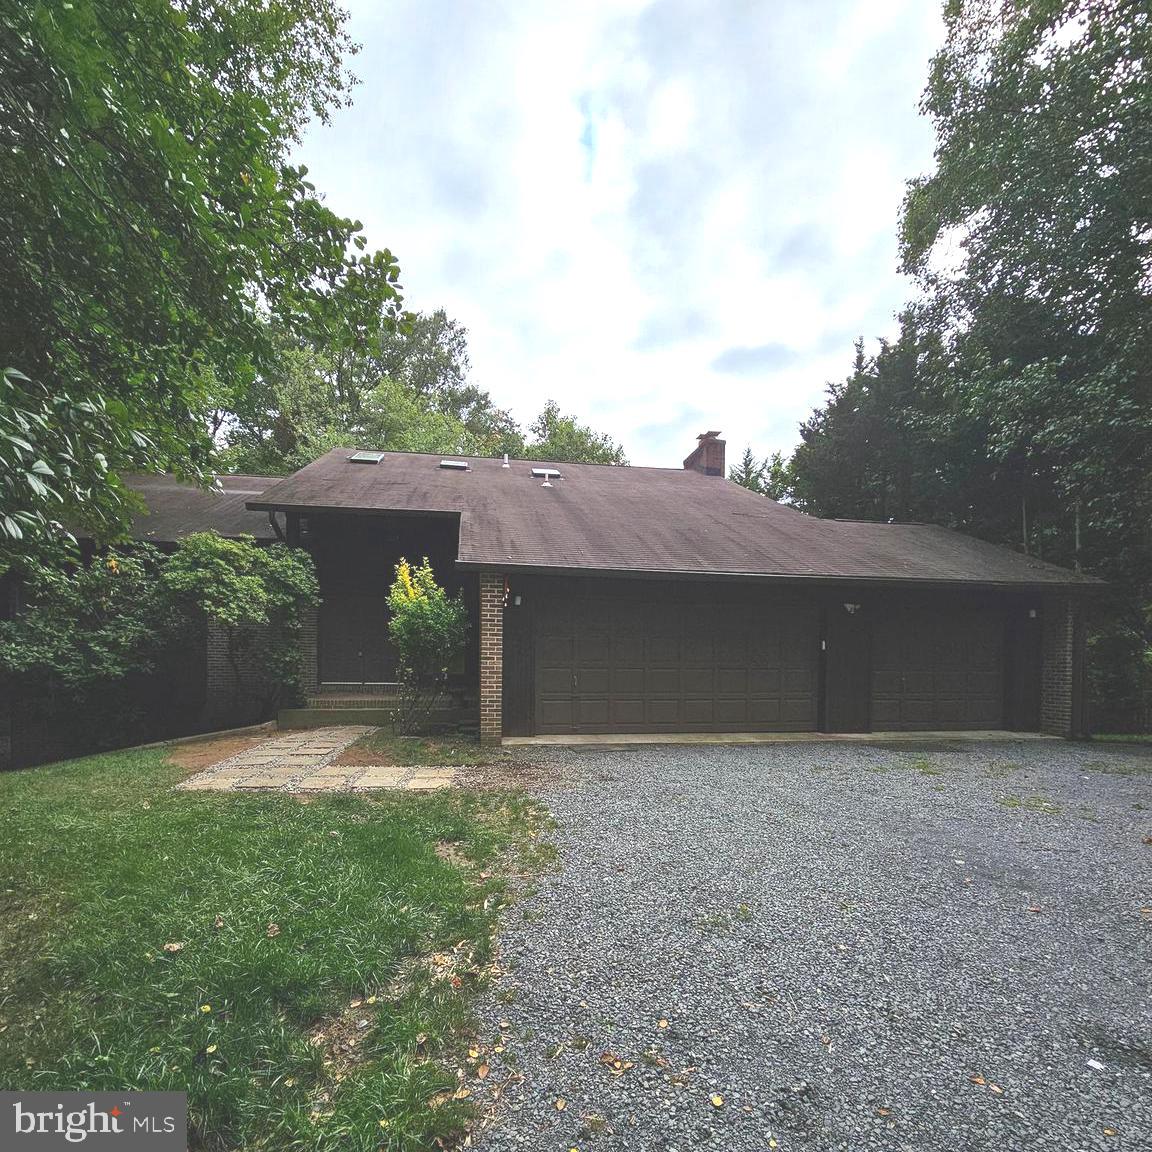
(1084, 584)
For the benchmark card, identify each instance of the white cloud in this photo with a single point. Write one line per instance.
(611, 196)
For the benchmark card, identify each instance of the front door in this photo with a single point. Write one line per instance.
(353, 641)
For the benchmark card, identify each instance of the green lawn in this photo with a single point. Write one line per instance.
(301, 969)
(1124, 737)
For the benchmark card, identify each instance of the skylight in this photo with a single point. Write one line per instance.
(546, 473)
(457, 465)
(365, 457)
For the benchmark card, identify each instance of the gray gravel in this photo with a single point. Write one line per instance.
(855, 946)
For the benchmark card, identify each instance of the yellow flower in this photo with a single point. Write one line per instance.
(205, 1007)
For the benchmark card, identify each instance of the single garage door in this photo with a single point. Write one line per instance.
(938, 669)
(605, 665)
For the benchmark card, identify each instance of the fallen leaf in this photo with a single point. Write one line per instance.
(1111, 1132)
(473, 1053)
(772, 1142)
(1146, 911)
(482, 1072)
(977, 1079)
(662, 1024)
(561, 1104)
(218, 923)
(461, 1093)
(883, 1111)
(1034, 909)
(497, 1047)
(997, 1089)
(717, 1100)
(272, 930)
(210, 1049)
(355, 1003)
(205, 1007)
(173, 946)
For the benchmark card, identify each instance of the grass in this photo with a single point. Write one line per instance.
(302, 970)
(1031, 804)
(385, 748)
(1123, 737)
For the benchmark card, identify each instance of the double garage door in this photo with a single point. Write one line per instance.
(603, 665)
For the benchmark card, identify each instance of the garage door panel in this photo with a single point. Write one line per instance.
(764, 712)
(628, 650)
(698, 681)
(662, 713)
(798, 714)
(592, 710)
(554, 650)
(699, 711)
(594, 681)
(594, 649)
(732, 712)
(668, 667)
(764, 681)
(938, 668)
(555, 715)
(627, 713)
(555, 681)
(627, 681)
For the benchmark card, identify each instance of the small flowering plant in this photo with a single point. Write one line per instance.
(429, 629)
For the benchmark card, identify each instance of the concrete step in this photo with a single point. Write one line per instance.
(449, 719)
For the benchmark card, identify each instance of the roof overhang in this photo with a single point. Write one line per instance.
(1089, 585)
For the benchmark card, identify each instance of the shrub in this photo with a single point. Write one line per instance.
(256, 595)
(429, 629)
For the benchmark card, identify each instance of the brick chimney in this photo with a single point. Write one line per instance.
(707, 456)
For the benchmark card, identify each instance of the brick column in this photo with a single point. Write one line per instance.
(491, 657)
(309, 661)
(1059, 681)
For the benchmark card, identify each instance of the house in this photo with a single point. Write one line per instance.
(621, 600)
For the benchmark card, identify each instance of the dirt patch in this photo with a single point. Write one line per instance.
(508, 774)
(205, 753)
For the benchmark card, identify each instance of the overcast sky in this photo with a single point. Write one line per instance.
(668, 216)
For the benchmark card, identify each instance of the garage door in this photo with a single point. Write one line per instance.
(612, 666)
(934, 669)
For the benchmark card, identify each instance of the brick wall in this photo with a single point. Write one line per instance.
(236, 694)
(1061, 686)
(491, 657)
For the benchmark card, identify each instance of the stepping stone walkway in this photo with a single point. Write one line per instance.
(302, 762)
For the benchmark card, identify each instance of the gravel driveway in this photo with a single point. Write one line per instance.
(832, 946)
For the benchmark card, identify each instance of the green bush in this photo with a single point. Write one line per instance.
(429, 629)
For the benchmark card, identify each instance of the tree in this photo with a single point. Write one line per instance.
(408, 391)
(149, 225)
(557, 438)
(771, 477)
(1017, 402)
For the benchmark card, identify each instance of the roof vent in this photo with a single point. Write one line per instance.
(546, 473)
(365, 457)
(505, 464)
(455, 465)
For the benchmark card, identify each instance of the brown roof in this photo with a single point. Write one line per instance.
(651, 520)
(176, 508)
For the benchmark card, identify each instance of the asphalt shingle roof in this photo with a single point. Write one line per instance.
(646, 520)
(176, 508)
